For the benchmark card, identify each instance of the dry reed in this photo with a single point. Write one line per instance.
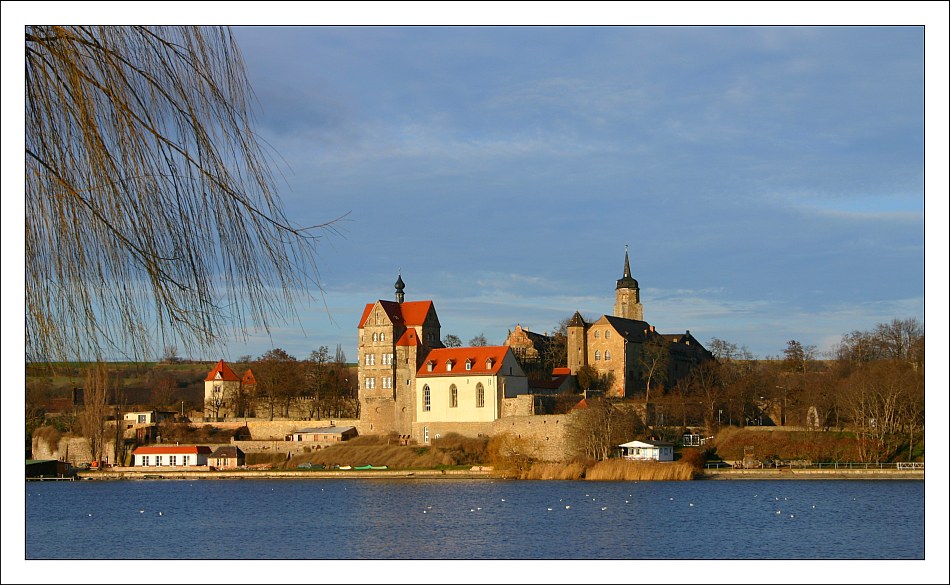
(622, 470)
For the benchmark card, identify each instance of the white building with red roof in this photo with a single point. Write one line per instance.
(171, 456)
(467, 384)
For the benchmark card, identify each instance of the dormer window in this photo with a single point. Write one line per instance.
(448, 365)
(489, 363)
(468, 364)
(429, 365)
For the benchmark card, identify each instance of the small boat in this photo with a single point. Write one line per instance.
(345, 467)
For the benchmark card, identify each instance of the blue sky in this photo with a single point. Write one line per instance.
(768, 179)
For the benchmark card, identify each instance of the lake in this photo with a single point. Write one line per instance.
(474, 519)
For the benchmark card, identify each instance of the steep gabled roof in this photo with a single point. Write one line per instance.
(408, 338)
(407, 314)
(478, 356)
(249, 379)
(630, 329)
(227, 374)
(227, 452)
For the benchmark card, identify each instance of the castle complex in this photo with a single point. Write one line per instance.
(410, 384)
(621, 347)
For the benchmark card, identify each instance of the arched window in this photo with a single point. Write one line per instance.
(427, 399)
(479, 395)
(597, 356)
(607, 334)
(382, 337)
(597, 334)
(606, 355)
(453, 396)
(375, 337)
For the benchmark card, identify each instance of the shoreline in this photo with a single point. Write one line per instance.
(708, 475)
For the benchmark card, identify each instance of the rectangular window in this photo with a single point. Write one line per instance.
(158, 460)
(172, 460)
(371, 359)
(387, 382)
(144, 459)
(186, 460)
(387, 359)
(141, 419)
(370, 383)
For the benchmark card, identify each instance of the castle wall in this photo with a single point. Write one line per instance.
(547, 433)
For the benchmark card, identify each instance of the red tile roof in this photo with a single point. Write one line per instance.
(172, 450)
(249, 379)
(408, 338)
(408, 314)
(561, 372)
(459, 355)
(226, 373)
(580, 405)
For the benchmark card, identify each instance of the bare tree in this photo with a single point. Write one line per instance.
(655, 357)
(163, 389)
(798, 357)
(595, 431)
(279, 380)
(478, 341)
(452, 341)
(170, 355)
(316, 380)
(92, 420)
(150, 206)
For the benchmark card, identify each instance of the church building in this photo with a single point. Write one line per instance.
(619, 347)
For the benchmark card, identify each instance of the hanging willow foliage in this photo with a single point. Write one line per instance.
(151, 213)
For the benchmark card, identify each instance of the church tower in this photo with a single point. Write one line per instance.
(628, 293)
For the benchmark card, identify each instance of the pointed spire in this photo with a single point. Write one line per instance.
(628, 281)
(626, 261)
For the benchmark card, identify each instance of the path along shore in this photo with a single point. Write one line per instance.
(476, 473)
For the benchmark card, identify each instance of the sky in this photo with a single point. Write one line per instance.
(768, 179)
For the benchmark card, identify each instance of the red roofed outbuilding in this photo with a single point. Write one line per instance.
(171, 456)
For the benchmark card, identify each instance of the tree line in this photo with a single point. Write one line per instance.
(322, 385)
(871, 385)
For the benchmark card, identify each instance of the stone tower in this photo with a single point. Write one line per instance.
(394, 338)
(576, 343)
(628, 294)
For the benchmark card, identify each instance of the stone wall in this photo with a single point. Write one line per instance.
(548, 433)
(73, 450)
(522, 405)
